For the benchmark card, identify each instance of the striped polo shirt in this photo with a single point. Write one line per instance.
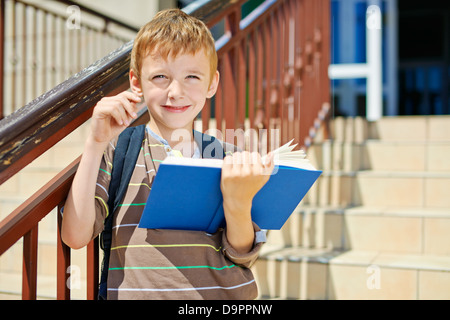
(166, 264)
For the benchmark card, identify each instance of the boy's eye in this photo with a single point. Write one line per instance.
(193, 77)
(159, 76)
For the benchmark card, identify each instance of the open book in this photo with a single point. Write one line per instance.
(186, 193)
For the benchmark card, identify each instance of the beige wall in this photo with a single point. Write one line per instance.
(134, 12)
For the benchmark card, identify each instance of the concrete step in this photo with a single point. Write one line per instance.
(299, 273)
(378, 155)
(429, 156)
(411, 128)
(400, 128)
(391, 143)
(412, 189)
(381, 188)
(388, 229)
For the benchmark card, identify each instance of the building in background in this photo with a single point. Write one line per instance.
(415, 56)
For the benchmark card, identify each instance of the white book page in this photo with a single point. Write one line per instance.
(284, 156)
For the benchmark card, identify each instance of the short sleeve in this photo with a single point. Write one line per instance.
(101, 190)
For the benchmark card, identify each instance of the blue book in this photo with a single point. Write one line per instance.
(186, 193)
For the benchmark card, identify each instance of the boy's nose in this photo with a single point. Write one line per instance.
(175, 90)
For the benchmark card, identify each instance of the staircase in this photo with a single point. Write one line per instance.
(376, 225)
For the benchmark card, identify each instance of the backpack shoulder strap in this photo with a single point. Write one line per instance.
(127, 151)
(210, 146)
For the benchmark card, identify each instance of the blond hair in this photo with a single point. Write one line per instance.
(169, 33)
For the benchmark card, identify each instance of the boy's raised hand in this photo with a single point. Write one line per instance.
(112, 115)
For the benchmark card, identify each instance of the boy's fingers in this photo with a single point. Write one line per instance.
(269, 164)
(255, 158)
(237, 160)
(119, 115)
(129, 107)
(228, 160)
(132, 96)
(123, 105)
(246, 164)
(269, 160)
(227, 167)
(255, 163)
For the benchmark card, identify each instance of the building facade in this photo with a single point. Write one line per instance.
(415, 56)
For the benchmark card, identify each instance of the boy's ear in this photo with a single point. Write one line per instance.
(213, 86)
(135, 83)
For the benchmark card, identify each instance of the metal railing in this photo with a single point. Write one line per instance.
(273, 66)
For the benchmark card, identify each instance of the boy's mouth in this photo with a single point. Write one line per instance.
(175, 109)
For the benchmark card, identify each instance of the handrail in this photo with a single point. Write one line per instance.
(275, 82)
(34, 128)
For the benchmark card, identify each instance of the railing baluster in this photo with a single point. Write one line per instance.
(229, 86)
(43, 39)
(29, 271)
(299, 66)
(206, 115)
(14, 59)
(63, 263)
(54, 50)
(2, 56)
(241, 70)
(24, 88)
(229, 109)
(283, 69)
(92, 275)
(267, 84)
(289, 80)
(251, 78)
(219, 99)
(275, 59)
(34, 52)
(254, 146)
(259, 116)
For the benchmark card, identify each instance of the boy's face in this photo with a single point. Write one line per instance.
(175, 90)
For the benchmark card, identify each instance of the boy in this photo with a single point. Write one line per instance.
(174, 69)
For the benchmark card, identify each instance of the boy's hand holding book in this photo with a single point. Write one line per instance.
(243, 175)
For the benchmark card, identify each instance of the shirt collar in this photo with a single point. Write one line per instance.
(169, 150)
